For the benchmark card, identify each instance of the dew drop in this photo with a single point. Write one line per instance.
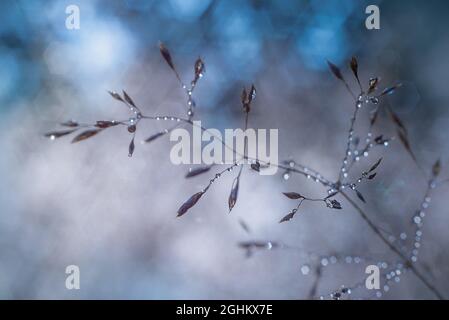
(324, 262)
(305, 269)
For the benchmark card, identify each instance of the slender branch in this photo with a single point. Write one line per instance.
(306, 171)
(379, 234)
(318, 275)
(343, 173)
(218, 176)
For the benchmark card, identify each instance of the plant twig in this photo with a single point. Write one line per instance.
(379, 234)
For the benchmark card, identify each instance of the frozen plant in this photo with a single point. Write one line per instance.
(355, 150)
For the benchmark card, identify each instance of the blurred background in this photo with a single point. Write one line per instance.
(91, 205)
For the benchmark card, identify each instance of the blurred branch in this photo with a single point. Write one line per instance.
(379, 234)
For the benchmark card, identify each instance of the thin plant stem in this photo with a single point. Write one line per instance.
(379, 234)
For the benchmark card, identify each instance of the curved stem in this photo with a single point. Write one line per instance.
(379, 234)
(323, 180)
